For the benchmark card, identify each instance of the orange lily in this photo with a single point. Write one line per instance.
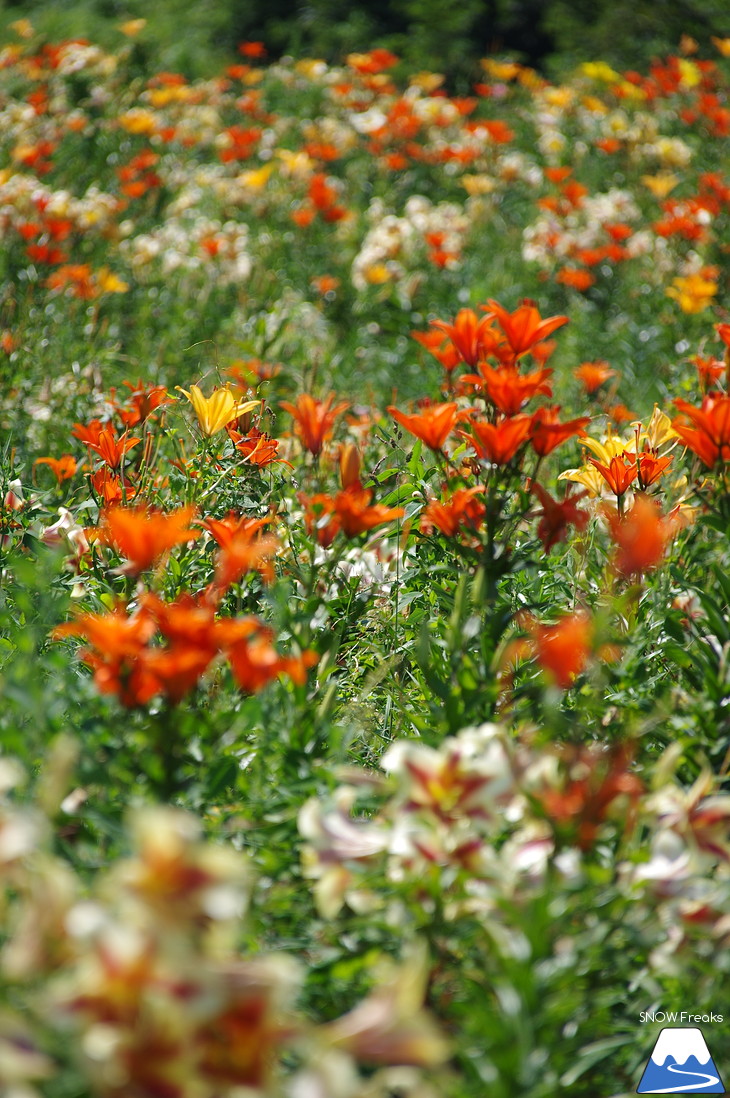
(499, 442)
(243, 548)
(111, 449)
(710, 436)
(509, 390)
(524, 327)
(593, 784)
(462, 509)
(349, 465)
(547, 432)
(143, 535)
(555, 517)
(256, 448)
(709, 370)
(641, 536)
(618, 474)
(349, 511)
(144, 401)
(593, 374)
(440, 347)
(63, 468)
(111, 488)
(254, 660)
(433, 425)
(650, 467)
(117, 641)
(314, 419)
(88, 433)
(473, 337)
(356, 514)
(562, 649)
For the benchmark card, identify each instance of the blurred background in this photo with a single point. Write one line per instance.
(551, 35)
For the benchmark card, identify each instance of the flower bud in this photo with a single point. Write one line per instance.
(349, 465)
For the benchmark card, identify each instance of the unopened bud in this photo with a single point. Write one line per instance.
(14, 498)
(349, 465)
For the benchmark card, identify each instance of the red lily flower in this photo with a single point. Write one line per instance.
(314, 419)
(143, 535)
(548, 432)
(433, 425)
(524, 327)
(555, 516)
(462, 509)
(499, 442)
(641, 536)
(618, 475)
(509, 390)
(562, 649)
(473, 337)
(710, 436)
(593, 374)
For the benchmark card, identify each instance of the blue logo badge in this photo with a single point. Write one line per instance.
(681, 1063)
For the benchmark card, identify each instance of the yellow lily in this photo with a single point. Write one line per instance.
(661, 184)
(659, 431)
(215, 411)
(610, 447)
(588, 476)
(132, 27)
(600, 70)
(721, 44)
(500, 70)
(256, 178)
(693, 292)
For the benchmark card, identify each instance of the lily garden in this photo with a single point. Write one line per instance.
(364, 573)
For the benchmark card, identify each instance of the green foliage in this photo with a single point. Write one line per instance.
(628, 33)
(429, 34)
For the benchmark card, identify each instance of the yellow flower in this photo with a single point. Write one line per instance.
(296, 164)
(721, 44)
(595, 105)
(693, 293)
(529, 78)
(610, 447)
(256, 178)
(378, 274)
(109, 283)
(427, 81)
(215, 411)
(630, 91)
(599, 70)
(132, 27)
(478, 184)
(139, 121)
(661, 184)
(588, 476)
(163, 97)
(561, 97)
(23, 28)
(659, 431)
(500, 70)
(690, 74)
(312, 67)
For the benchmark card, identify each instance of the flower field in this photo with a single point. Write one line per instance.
(364, 573)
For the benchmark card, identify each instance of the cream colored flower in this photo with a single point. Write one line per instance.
(659, 431)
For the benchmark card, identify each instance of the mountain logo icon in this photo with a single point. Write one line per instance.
(681, 1063)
